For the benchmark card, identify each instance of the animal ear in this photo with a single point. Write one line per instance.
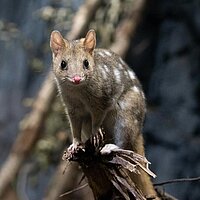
(57, 42)
(90, 41)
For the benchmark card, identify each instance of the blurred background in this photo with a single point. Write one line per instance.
(162, 44)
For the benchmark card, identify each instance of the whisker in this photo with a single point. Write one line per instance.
(63, 81)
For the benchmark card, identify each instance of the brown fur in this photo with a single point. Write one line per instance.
(109, 94)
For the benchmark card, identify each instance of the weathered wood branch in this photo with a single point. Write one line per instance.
(179, 180)
(106, 167)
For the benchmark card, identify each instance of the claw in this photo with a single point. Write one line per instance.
(75, 147)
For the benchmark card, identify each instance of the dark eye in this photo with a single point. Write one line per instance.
(63, 65)
(85, 64)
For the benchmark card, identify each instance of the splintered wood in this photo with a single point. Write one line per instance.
(107, 168)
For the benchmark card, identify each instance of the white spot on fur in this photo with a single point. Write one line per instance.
(106, 68)
(101, 54)
(121, 89)
(120, 66)
(143, 95)
(136, 89)
(122, 62)
(108, 53)
(104, 74)
(117, 75)
(131, 74)
(123, 104)
(126, 73)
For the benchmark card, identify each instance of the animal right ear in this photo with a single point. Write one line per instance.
(57, 42)
(90, 41)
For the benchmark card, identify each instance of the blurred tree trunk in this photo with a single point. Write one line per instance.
(33, 123)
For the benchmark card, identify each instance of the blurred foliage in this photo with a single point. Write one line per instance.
(8, 30)
(59, 14)
(108, 18)
(56, 134)
(37, 65)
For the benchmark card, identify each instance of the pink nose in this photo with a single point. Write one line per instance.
(76, 79)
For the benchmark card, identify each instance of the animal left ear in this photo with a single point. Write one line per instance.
(57, 42)
(90, 41)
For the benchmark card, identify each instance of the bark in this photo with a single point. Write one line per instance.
(107, 168)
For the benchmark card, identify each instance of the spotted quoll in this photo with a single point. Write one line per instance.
(97, 89)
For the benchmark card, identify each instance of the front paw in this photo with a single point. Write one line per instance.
(73, 151)
(75, 147)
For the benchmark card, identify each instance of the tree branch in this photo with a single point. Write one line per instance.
(74, 190)
(127, 27)
(180, 180)
(110, 166)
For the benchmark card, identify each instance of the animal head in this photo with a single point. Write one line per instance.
(73, 61)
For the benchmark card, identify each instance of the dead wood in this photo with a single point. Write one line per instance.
(179, 180)
(106, 167)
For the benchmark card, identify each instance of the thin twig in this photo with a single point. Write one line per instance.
(74, 190)
(177, 181)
